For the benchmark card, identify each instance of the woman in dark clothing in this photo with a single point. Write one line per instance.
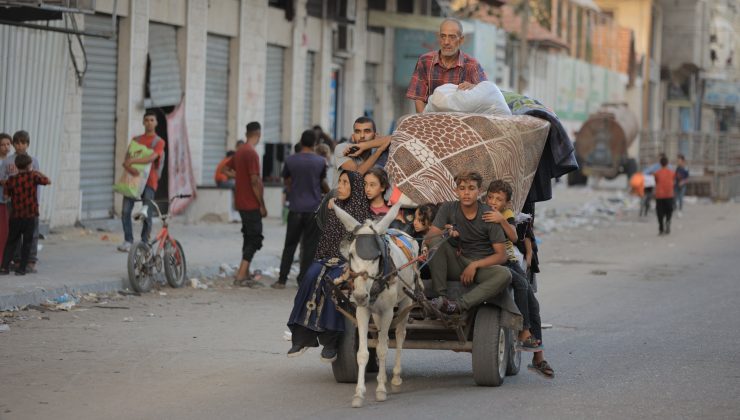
(314, 318)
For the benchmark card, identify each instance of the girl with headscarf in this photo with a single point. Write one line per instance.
(314, 318)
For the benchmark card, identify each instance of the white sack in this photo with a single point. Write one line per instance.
(484, 98)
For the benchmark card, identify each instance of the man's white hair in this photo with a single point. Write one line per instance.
(455, 21)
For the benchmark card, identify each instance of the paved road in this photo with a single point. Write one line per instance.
(654, 337)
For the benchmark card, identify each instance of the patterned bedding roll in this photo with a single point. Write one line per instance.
(427, 151)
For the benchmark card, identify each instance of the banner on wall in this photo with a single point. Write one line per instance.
(180, 168)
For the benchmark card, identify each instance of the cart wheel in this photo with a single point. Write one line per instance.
(489, 347)
(514, 358)
(345, 367)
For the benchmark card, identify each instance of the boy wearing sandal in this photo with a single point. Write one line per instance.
(498, 197)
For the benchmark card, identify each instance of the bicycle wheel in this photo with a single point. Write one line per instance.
(139, 267)
(175, 268)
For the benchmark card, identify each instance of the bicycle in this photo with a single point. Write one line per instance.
(145, 259)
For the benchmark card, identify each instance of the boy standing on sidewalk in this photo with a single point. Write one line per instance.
(21, 142)
(21, 189)
(151, 140)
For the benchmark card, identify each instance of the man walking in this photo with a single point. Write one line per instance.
(151, 140)
(305, 180)
(446, 65)
(249, 200)
(664, 182)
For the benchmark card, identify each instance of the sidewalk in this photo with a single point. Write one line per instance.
(86, 259)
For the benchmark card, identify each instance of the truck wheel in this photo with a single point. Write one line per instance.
(489, 348)
(345, 367)
(514, 358)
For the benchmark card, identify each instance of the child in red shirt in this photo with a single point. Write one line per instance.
(21, 189)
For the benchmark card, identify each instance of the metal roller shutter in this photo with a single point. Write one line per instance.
(216, 105)
(308, 94)
(33, 86)
(97, 153)
(164, 71)
(272, 128)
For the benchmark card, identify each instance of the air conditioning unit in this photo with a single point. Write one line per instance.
(342, 10)
(344, 40)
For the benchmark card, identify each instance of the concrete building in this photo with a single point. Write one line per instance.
(288, 65)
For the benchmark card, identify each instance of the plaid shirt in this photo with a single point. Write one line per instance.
(430, 73)
(21, 189)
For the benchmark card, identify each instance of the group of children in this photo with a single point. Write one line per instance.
(19, 205)
(518, 236)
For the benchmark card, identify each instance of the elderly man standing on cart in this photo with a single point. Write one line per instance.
(446, 65)
(473, 254)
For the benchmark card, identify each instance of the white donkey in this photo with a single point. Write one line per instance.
(375, 293)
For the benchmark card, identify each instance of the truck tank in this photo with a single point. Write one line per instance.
(603, 140)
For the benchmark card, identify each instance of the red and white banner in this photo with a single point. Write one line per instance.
(180, 169)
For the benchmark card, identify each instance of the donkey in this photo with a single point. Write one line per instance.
(371, 256)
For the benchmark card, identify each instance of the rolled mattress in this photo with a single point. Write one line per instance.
(428, 150)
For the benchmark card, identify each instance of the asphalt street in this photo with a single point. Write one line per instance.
(643, 327)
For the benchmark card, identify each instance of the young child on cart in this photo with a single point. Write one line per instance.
(498, 197)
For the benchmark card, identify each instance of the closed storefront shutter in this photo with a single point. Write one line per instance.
(216, 105)
(97, 152)
(164, 67)
(273, 126)
(33, 87)
(308, 95)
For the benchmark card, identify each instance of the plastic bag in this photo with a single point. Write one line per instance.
(132, 186)
(484, 98)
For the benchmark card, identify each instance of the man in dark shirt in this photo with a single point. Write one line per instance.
(475, 252)
(305, 179)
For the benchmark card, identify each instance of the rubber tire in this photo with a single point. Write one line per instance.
(514, 358)
(345, 367)
(489, 343)
(170, 271)
(142, 283)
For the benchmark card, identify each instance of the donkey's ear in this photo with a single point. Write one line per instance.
(382, 225)
(347, 220)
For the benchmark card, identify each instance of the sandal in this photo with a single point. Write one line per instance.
(531, 344)
(542, 368)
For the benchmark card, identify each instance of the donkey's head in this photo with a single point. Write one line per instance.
(364, 251)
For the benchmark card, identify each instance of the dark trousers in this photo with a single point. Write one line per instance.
(664, 209)
(19, 229)
(128, 206)
(520, 284)
(302, 228)
(251, 232)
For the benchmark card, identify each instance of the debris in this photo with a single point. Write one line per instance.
(104, 238)
(598, 272)
(128, 293)
(225, 269)
(162, 293)
(150, 315)
(196, 284)
(4, 327)
(128, 319)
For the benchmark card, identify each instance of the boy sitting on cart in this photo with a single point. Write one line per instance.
(473, 254)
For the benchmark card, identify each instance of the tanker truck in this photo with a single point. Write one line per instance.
(602, 144)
